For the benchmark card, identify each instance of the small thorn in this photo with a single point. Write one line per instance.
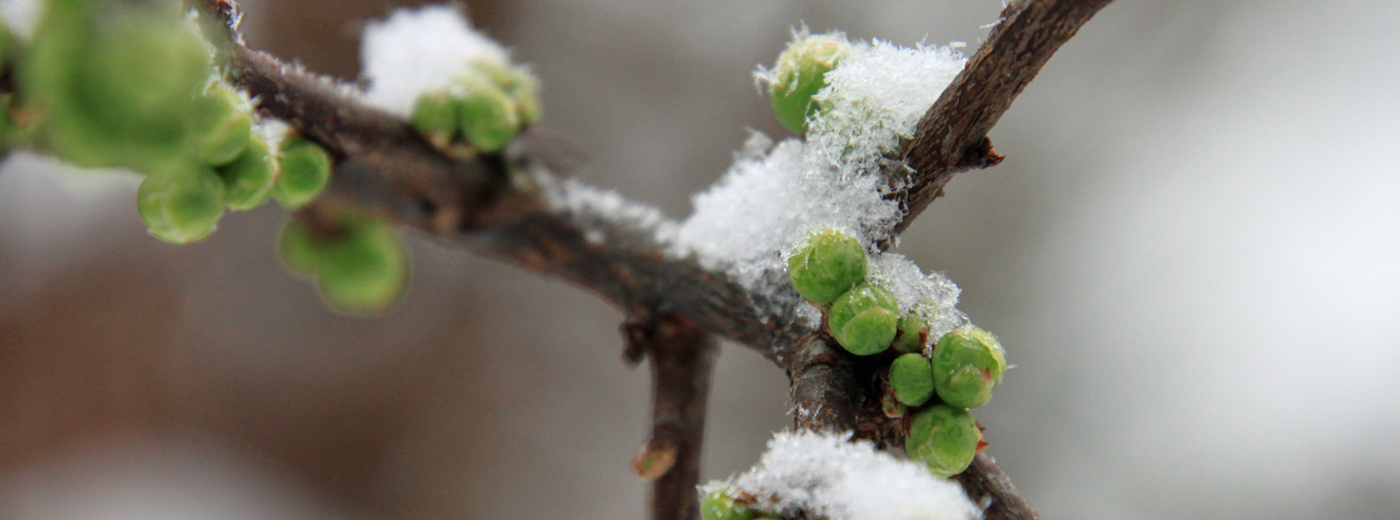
(655, 459)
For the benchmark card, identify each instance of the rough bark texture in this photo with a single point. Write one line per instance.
(507, 206)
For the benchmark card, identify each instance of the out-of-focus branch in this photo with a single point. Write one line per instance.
(682, 363)
(986, 484)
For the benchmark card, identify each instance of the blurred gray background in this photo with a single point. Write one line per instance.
(1191, 256)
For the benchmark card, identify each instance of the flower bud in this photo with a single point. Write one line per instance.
(911, 375)
(248, 180)
(488, 116)
(913, 333)
(826, 266)
(944, 438)
(303, 170)
(220, 125)
(435, 116)
(718, 505)
(864, 320)
(892, 407)
(967, 365)
(800, 73)
(364, 270)
(181, 206)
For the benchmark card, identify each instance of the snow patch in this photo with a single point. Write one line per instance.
(420, 50)
(21, 17)
(826, 475)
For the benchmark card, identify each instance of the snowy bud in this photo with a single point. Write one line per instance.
(248, 180)
(435, 116)
(181, 206)
(826, 266)
(864, 320)
(303, 170)
(800, 73)
(911, 375)
(718, 505)
(944, 438)
(967, 364)
(220, 125)
(488, 116)
(913, 333)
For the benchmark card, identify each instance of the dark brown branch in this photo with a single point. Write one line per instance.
(986, 484)
(952, 136)
(682, 363)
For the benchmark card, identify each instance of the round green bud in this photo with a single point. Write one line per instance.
(296, 248)
(248, 180)
(827, 265)
(220, 125)
(913, 333)
(718, 505)
(864, 320)
(799, 74)
(435, 116)
(181, 206)
(967, 366)
(304, 168)
(488, 116)
(892, 407)
(911, 375)
(364, 270)
(142, 74)
(944, 438)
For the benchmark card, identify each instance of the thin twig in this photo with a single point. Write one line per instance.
(682, 363)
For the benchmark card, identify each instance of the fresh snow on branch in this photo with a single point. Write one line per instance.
(420, 50)
(826, 475)
(21, 16)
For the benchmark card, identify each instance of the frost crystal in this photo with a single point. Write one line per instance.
(416, 51)
(827, 476)
(774, 196)
(932, 296)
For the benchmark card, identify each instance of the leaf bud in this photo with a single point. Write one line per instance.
(220, 124)
(435, 116)
(864, 320)
(911, 375)
(719, 505)
(181, 206)
(488, 116)
(944, 438)
(827, 265)
(913, 333)
(364, 270)
(248, 180)
(967, 365)
(304, 168)
(800, 73)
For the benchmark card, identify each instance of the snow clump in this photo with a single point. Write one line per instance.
(826, 475)
(417, 51)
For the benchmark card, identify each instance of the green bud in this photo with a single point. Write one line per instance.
(892, 407)
(864, 320)
(365, 271)
(967, 365)
(435, 116)
(911, 375)
(913, 333)
(248, 180)
(488, 116)
(304, 168)
(527, 99)
(826, 266)
(296, 248)
(718, 505)
(800, 73)
(220, 125)
(181, 206)
(944, 438)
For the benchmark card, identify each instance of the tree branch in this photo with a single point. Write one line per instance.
(682, 363)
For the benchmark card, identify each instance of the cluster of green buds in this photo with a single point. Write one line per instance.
(721, 504)
(481, 111)
(800, 73)
(358, 262)
(967, 365)
(829, 269)
(133, 85)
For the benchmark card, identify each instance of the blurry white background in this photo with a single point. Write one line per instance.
(1190, 254)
